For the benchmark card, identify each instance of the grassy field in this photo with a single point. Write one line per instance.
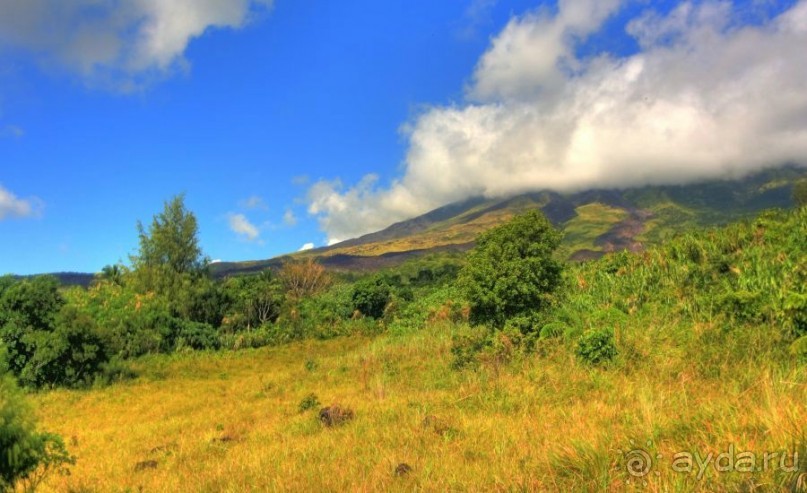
(708, 382)
(231, 421)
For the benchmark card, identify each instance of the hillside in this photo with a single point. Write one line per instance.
(595, 221)
(710, 344)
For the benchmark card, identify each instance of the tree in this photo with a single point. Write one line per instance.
(302, 278)
(27, 307)
(371, 296)
(48, 342)
(113, 274)
(511, 271)
(256, 299)
(170, 260)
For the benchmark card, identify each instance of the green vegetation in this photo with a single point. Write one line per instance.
(591, 221)
(800, 193)
(443, 362)
(26, 455)
(370, 297)
(512, 272)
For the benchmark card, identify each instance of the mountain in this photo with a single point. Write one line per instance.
(595, 222)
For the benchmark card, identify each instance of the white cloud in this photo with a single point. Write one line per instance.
(477, 13)
(289, 218)
(705, 97)
(240, 225)
(13, 207)
(119, 43)
(307, 246)
(253, 202)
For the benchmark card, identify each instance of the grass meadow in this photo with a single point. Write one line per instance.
(232, 421)
(704, 389)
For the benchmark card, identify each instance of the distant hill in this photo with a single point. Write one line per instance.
(70, 278)
(595, 222)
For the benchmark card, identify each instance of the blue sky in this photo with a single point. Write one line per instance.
(304, 122)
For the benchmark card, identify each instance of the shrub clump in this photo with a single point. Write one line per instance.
(370, 297)
(597, 347)
(26, 455)
(309, 402)
(511, 272)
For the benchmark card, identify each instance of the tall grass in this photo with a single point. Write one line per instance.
(706, 328)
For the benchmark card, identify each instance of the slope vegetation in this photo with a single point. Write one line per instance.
(708, 361)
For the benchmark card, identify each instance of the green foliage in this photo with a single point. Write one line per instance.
(799, 349)
(800, 193)
(597, 347)
(254, 300)
(552, 330)
(195, 335)
(114, 371)
(311, 401)
(170, 261)
(26, 455)
(48, 342)
(370, 297)
(70, 356)
(743, 287)
(511, 270)
(466, 346)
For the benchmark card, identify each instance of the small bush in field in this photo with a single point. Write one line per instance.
(597, 347)
(465, 348)
(113, 371)
(309, 402)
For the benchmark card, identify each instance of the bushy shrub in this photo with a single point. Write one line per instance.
(553, 329)
(597, 347)
(195, 335)
(49, 342)
(466, 346)
(511, 271)
(114, 371)
(309, 402)
(26, 455)
(265, 335)
(741, 305)
(370, 297)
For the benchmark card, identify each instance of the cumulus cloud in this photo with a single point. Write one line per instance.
(12, 206)
(241, 226)
(121, 43)
(307, 246)
(705, 96)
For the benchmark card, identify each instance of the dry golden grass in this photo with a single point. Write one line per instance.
(230, 421)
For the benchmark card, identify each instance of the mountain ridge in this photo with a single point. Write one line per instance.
(595, 222)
